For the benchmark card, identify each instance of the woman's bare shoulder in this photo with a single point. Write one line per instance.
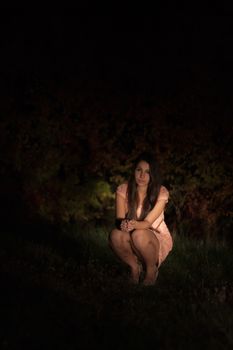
(122, 189)
(163, 193)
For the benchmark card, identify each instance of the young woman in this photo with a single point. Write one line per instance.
(141, 237)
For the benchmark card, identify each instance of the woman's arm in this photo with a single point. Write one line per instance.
(120, 212)
(150, 218)
(120, 206)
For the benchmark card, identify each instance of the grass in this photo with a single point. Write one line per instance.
(68, 291)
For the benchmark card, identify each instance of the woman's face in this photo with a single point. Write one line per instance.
(142, 173)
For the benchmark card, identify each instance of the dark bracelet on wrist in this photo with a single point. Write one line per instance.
(118, 223)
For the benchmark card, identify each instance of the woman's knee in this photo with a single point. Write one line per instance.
(115, 237)
(141, 238)
(138, 236)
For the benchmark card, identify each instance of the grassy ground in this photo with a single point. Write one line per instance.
(68, 291)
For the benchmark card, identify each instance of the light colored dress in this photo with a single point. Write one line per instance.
(158, 227)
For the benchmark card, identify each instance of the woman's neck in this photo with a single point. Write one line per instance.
(142, 190)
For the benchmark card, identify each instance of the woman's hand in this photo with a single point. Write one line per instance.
(124, 225)
(128, 225)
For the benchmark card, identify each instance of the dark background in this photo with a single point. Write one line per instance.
(119, 66)
(162, 50)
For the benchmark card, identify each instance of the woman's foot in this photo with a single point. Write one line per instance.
(151, 276)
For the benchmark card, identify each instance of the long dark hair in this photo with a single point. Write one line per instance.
(152, 190)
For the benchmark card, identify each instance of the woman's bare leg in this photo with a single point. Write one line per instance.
(146, 243)
(120, 242)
